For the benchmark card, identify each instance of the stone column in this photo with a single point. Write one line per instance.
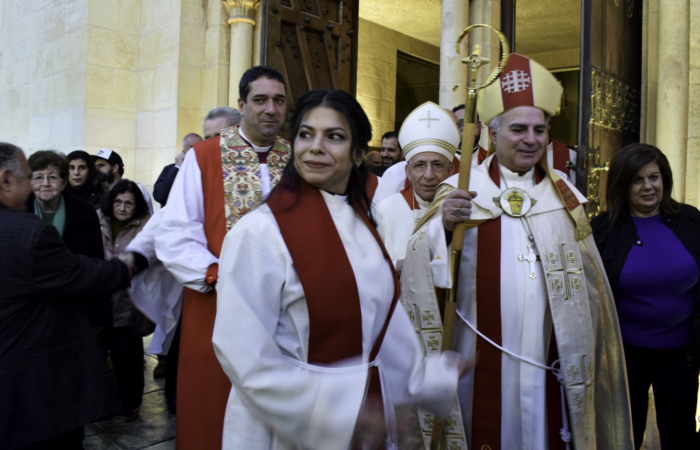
(242, 20)
(672, 93)
(455, 18)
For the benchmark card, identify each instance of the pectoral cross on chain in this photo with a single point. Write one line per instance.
(530, 258)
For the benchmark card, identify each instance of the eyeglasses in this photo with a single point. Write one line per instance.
(52, 178)
(421, 167)
(127, 204)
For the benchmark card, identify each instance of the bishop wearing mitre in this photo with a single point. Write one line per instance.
(533, 300)
(429, 140)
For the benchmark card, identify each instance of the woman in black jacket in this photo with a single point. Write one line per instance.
(77, 221)
(650, 246)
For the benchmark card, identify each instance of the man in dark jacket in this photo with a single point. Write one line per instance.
(53, 375)
(161, 189)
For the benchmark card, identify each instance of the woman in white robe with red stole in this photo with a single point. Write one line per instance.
(308, 327)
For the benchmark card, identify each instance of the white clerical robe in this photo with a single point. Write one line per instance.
(526, 323)
(261, 339)
(396, 221)
(181, 243)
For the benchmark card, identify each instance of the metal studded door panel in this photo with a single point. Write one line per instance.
(313, 43)
(610, 90)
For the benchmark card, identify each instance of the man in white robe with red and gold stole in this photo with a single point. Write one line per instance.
(531, 281)
(221, 180)
(428, 148)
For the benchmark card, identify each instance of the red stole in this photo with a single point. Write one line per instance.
(409, 196)
(372, 183)
(203, 387)
(560, 156)
(483, 153)
(455, 162)
(330, 287)
(486, 411)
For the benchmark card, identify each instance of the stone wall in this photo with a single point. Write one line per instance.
(376, 72)
(43, 57)
(671, 89)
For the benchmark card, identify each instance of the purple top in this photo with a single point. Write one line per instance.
(657, 296)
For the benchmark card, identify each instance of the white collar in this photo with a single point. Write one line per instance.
(256, 148)
(513, 179)
(422, 203)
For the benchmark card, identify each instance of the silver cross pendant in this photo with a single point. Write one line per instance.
(530, 258)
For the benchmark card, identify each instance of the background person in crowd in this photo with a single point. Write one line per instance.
(84, 180)
(161, 189)
(207, 198)
(111, 165)
(390, 151)
(123, 215)
(76, 221)
(219, 119)
(270, 282)
(373, 159)
(479, 153)
(53, 376)
(650, 245)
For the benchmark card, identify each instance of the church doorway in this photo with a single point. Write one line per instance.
(417, 82)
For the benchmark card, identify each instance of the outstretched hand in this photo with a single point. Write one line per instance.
(130, 262)
(457, 208)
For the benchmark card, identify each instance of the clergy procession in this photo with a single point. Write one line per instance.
(458, 298)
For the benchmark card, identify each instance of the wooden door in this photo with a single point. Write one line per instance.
(313, 43)
(609, 117)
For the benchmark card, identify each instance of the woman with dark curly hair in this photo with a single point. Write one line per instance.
(650, 245)
(84, 180)
(311, 280)
(123, 215)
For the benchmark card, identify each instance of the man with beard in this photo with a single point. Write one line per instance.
(221, 179)
(390, 151)
(111, 165)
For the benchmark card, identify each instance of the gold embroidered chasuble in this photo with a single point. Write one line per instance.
(241, 172)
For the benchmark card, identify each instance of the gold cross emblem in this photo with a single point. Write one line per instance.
(454, 446)
(451, 423)
(576, 284)
(432, 343)
(428, 420)
(411, 315)
(565, 271)
(429, 119)
(557, 286)
(428, 317)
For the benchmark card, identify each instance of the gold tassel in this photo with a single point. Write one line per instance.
(583, 230)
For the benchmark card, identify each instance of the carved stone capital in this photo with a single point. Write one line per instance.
(242, 10)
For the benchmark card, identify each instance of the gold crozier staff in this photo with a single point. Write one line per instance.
(474, 61)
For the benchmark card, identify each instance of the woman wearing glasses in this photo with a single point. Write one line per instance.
(75, 220)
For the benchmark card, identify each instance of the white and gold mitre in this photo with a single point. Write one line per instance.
(429, 128)
(523, 82)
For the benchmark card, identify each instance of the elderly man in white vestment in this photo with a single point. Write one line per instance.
(532, 282)
(429, 148)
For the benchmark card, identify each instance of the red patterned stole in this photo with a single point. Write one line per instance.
(241, 172)
(560, 156)
(486, 410)
(330, 287)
